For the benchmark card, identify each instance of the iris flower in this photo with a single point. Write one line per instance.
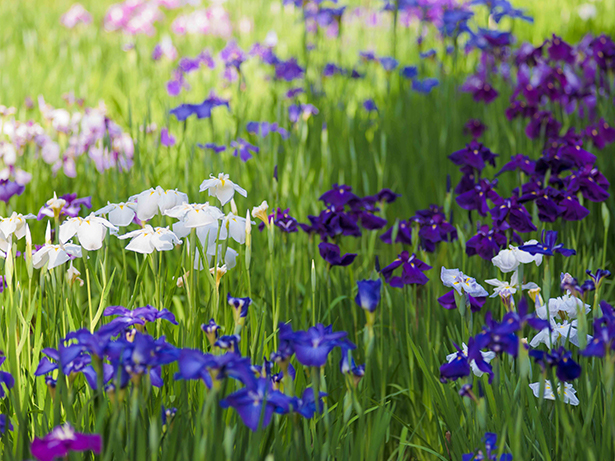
(90, 231)
(222, 188)
(62, 440)
(149, 239)
(567, 396)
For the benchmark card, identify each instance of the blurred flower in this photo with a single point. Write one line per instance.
(567, 396)
(368, 294)
(62, 440)
(331, 253)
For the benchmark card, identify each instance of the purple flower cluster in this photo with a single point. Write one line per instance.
(571, 77)
(499, 337)
(186, 66)
(128, 357)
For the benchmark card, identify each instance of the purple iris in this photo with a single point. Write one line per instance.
(332, 69)
(228, 343)
(243, 149)
(424, 86)
(547, 246)
(475, 128)
(193, 364)
(599, 275)
(368, 294)
(212, 146)
(513, 215)
(240, 305)
(167, 415)
(433, 227)
(519, 162)
(283, 220)
(604, 333)
(447, 301)
(166, 138)
(409, 72)
(312, 347)
(491, 449)
(72, 359)
(288, 70)
(9, 188)
(475, 155)
(62, 440)
(297, 111)
(4, 424)
(308, 405)
(370, 106)
(249, 402)
(412, 271)
(388, 63)
(202, 110)
(264, 128)
(459, 367)
(481, 89)
(5, 378)
(72, 207)
(476, 198)
(499, 337)
(404, 234)
(331, 253)
(127, 318)
(566, 368)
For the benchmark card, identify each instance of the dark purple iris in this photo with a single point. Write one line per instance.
(475, 155)
(404, 234)
(459, 367)
(62, 440)
(547, 246)
(559, 50)
(519, 162)
(604, 333)
(447, 301)
(511, 214)
(481, 89)
(412, 271)
(433, 227)
(283, 220)
(490, 438)
(6, 378)
(599, 275)
(475, 128)
(331, 253)
(566, 368)
(476, 198)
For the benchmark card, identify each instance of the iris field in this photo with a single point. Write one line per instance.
(307, 230)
